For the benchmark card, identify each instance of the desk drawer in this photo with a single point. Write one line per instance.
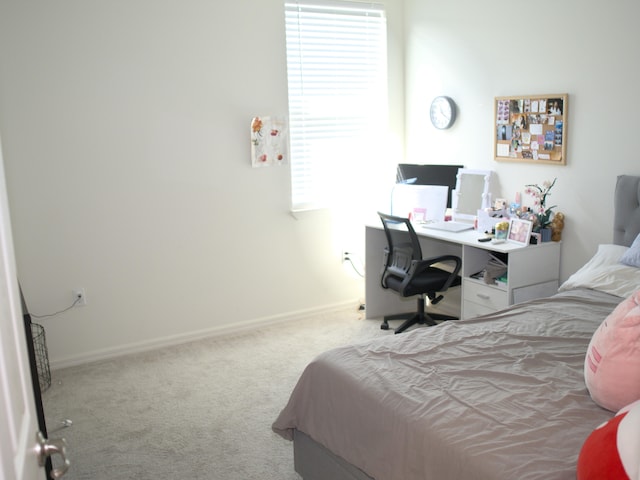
(485, 295)
(473, 310)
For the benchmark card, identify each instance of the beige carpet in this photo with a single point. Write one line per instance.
(202, 410)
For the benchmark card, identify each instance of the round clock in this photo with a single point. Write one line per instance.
(443, 112)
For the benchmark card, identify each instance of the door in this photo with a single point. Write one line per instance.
(23, 451)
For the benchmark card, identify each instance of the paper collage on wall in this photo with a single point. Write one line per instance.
(269, 141)
(531, 129)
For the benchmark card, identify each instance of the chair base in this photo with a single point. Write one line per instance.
(418, 318)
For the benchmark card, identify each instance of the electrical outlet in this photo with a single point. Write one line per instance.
(79, 297)
(345, 256)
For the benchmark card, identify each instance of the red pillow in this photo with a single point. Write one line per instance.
(612, 363)
(612, 451)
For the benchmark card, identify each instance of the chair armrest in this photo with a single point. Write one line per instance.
(419, 266)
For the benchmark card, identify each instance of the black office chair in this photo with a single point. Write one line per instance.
(407, 273)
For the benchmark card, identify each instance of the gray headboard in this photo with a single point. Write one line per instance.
(626, 208)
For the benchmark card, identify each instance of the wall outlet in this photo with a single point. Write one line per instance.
(79, 297)
(345, 256)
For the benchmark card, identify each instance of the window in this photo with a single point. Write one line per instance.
(337, 77)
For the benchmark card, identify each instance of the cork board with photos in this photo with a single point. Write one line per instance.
(531, 128)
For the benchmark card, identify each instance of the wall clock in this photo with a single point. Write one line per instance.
(443, 112)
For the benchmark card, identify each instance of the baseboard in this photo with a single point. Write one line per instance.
(219, 331)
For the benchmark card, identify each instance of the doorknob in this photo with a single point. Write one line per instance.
(45, 448)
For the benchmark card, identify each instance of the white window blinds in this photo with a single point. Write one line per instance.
(337, 76)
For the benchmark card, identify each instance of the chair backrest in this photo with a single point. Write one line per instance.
(403, 246)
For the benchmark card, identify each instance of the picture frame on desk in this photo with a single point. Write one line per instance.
(519, 231)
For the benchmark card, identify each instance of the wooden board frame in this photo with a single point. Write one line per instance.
(531, 128)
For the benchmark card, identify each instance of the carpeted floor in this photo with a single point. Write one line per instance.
(202, 410)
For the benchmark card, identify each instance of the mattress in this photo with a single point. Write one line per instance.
(502, 396)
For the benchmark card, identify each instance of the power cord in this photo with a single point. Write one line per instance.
(347, 258)
(58, 313)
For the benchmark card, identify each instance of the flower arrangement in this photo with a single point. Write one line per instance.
(542, 213)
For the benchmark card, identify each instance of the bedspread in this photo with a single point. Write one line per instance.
(500, 397)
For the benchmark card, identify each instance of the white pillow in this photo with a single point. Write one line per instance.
(605, 273)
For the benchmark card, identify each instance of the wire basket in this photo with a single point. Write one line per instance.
(42, 356)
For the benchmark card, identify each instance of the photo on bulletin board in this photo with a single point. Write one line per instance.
(531, 128)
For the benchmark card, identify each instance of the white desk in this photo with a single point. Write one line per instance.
(533, 272)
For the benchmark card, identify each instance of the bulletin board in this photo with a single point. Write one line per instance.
(531, 128)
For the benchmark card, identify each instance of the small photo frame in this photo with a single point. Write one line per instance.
(519, 231)
(419, 215)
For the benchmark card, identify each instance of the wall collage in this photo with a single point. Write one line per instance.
(531, 128)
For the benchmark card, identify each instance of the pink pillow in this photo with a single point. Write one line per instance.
(612, 363)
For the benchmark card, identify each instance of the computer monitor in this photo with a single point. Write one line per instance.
(429, 175)
(422, 203)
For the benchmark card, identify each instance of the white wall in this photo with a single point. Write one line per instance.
(125, 130)
(474, 51)
(125, 138)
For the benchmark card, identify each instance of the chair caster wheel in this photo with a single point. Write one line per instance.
(384, 326)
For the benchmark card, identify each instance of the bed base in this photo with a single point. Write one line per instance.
(314, 462)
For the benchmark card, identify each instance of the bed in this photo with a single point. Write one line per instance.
(502, 396)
